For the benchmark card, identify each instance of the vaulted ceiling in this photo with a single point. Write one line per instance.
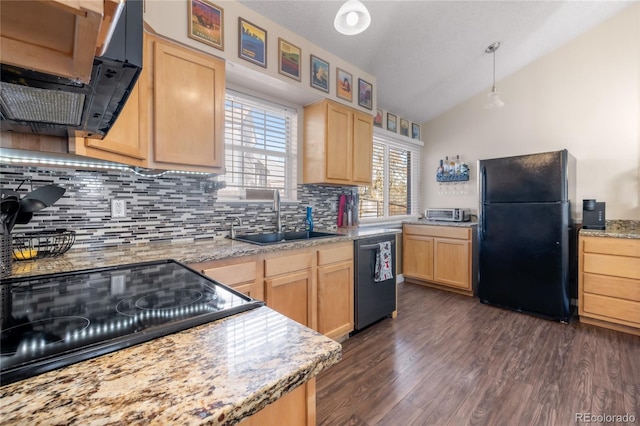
(429, 56)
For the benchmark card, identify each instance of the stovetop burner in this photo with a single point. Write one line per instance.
(51, 321)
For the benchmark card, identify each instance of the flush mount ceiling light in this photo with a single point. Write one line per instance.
(352, 18)
(494, 96)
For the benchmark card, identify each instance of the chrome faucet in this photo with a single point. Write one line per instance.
(232, 233)
(276, 208)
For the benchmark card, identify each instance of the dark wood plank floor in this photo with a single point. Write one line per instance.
(450, 360)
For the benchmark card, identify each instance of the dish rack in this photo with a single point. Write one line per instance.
(36, 245)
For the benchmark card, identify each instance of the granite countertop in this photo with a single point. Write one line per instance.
(214, 374)
(201, 250)
(615, 229)
(441, 223)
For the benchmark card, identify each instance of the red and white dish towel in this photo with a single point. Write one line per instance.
(383, 262)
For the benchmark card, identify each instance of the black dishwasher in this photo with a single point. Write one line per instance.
(373, 300)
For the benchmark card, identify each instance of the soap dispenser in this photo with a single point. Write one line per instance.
(309, 219)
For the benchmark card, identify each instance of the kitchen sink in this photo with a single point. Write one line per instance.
(283, 237)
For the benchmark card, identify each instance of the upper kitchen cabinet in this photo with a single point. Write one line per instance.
(338, 144)
(184, 91)
(59, 37)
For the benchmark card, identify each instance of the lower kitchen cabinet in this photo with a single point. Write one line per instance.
(242, 274)
(609, 283)
(335, 290)
(289, 286)
(298, 408)
(440, 256)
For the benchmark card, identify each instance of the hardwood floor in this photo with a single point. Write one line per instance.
(450, 360)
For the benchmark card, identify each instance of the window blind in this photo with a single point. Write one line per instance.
(260, 146)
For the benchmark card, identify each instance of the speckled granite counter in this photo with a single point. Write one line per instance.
(202, 250)
(217, 374)
(440, 223)
(615, 229)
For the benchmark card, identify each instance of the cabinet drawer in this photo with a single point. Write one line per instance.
(622, 288)
(334, 254)
(618, 266)
(612, 307)
(613, 246)
(439, 231)
(233, 274)
(282, 265)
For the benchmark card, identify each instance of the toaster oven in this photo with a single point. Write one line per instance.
(448, 215)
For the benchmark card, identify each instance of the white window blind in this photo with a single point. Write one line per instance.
(394, 192)
(260, 147)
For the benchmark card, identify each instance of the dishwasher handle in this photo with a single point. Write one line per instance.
(369, 246)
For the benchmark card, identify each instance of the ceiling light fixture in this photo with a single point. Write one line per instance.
(494, 96)
(352, 18)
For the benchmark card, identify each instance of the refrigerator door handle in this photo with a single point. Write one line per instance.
(483, 187)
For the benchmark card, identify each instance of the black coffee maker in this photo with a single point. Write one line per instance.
(593, 215)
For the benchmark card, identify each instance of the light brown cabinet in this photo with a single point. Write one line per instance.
(440, 256)
(242, 274)
(298, 407)
(335, 290)
(609, 282)
(338, 145)
(174, 117)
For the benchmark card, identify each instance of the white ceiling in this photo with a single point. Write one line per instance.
(429, 56)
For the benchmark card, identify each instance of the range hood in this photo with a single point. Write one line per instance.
(41, 103)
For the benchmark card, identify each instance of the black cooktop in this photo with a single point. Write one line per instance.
(51, 321)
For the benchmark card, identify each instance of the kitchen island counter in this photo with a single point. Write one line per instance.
(217, 373)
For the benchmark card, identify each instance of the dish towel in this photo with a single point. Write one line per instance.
(383, 262)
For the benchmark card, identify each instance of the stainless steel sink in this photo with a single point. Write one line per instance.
(283, 237)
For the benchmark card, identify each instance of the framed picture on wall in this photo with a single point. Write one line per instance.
(415, 131)
(289, 59)
(252, 43)
(365, 97)
(404, 127)
(344, 81)
(392, 122)
(377, 120)
(319, 74)
(206, 23)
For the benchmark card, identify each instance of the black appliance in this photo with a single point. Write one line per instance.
(34, 102)
(593, 215)
(51, 321)
(373, 300)
(526, 233)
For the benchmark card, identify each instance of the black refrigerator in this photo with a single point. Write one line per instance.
(525, 233)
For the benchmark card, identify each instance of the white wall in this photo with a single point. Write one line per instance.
(584, 96)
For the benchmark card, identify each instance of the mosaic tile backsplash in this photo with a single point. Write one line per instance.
(166, 208)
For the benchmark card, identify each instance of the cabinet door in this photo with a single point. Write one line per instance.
(188, 107)
(339, 143)
(362, 148)
(335, 299)
(452, 262)
(241, 277)
(290, 294)
(126, 142)
(417, 257)
(298, 407)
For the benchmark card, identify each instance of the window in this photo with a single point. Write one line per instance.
(260, 147)
(396, 171)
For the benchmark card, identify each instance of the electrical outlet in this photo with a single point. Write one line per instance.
(118, 208)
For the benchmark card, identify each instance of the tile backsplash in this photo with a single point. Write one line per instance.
(166, 208)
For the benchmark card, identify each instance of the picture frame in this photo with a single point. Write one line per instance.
(206, 23)
(404, 127)
(415, 131)
(252, 43)
(319, 77)
(365, 94)
(289, 59)
(377, 120)
(392, 122)
(344, 84)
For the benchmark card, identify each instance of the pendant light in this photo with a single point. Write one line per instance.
(352, 18)
(494, 95)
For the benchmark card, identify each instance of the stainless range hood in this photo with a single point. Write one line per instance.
(41, 103)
